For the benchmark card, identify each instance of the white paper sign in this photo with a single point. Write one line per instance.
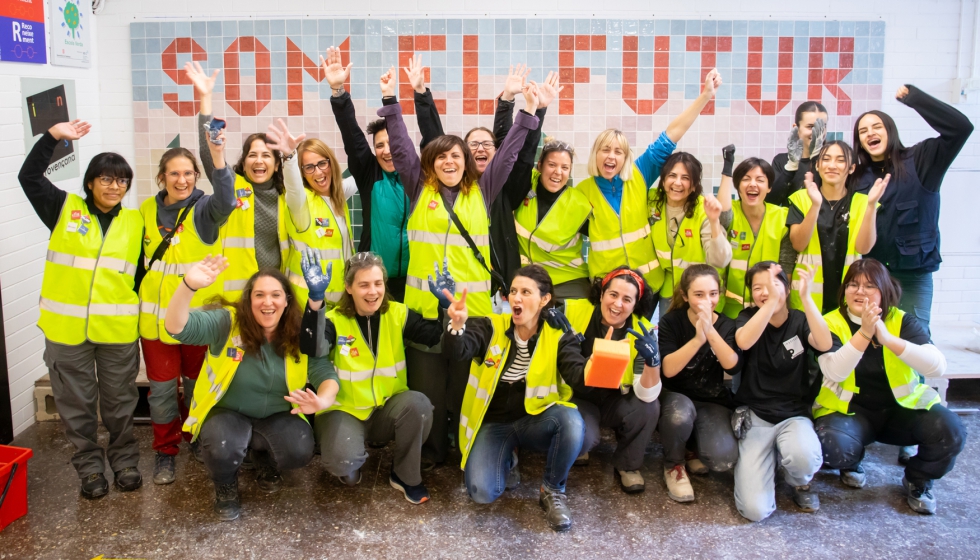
(71, 39)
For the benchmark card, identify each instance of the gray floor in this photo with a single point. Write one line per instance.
(315, 517)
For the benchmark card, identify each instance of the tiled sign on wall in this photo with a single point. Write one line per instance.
(630, 74)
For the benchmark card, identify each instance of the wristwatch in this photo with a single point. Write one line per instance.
(339, 91)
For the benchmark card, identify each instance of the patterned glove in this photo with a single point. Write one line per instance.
(794, 150)
(818, 137)
(443, 281)
(741, 422)
(646, 345)
(316, 280)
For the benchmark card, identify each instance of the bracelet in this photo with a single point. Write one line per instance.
(455, 332)
(184, 280)
(868, 338)
(289, 157)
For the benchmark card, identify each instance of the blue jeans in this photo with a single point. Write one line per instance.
(916, 295)
(557, 432)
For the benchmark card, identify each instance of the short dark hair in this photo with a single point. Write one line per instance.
(764, 266)
(109, 164)
(377, 126)
(877, 274)
(851, 179)
(356, 263)
(693, 167)
(749, 164)
(541, 277)
(645, 304)
(808, 107)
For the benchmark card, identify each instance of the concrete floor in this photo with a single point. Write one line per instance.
(315, 517)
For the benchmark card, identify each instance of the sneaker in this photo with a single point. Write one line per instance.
(226, 503)
(428, 464)
(513, 475)
(267, 476)
(416, 494)
(581, 460)
(806, 499)
(555, 509)
(95, 486)
(163, 469)
(197, 452)
(694, 464)
(631, 481)
(906, 452)
(352, 479)
(128, 479)
(855, 478)
(678, 484)
(920, 498)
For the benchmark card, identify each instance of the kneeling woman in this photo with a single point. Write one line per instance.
(698, 346)
(518, 393)
(871, 391)
(365, 338)
(254, 370)
(616, 310)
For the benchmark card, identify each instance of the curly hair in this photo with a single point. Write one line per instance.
(645, 303)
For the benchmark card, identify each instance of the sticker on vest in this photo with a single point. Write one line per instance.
(341, 340)
(243, 193)
(344, 350)
(354, 353)
(433, 205)
(146, 240)
(86, 219)
(76, 214)
(734, 244)
(741, 236)
(733, 233)
(83, 230)
(688, 233)
(794, 346)
(72, 227)
(235, 354)
(323, 222)
(489, 363)
(527, 201)
(746, 246)
(175, 240)
(654, 215)
(495, 349)
(236, 340)
(243, 204)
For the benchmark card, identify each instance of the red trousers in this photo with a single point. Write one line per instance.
(169, 366)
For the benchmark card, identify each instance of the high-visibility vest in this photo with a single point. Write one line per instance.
(218, 372)
(323, 234)
(749, 250)
(908, 391)
(368, 380)
(812, 256)
(555, 243)
(237, 237)
(687, 249)
(623, 237)
(432, 236)
(163, 278)
(579, 313)
(544, 385)
(87, 291)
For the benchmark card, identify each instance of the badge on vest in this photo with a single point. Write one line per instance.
(86, 219)
(243, 204)
(794, 346)
(83, 229)
(489, 363)
(354, 353)
(746, 247)
(688, 233)
(344, 350)
(324, 232)
(76, 214)
(72, 227)
(654, 215)
(734, 234)
(235, 354)
(323, 222)
(243, 193)
(433, 205)
(495, 349)
(741, 236)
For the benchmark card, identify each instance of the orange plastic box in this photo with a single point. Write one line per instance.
(13, 483)
(610, 358)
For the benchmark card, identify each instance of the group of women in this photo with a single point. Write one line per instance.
(399, 341)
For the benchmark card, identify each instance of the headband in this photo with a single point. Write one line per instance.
(625, 272)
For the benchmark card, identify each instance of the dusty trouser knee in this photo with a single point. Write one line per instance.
(716, 443)
(677, 418)
(341, 440)
(842, 445)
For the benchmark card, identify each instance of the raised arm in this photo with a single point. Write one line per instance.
(214, 211)
(749, 333)
(800, 234)
(403, 154)
(503, 117)
(519, 181)
(682, 122)
(360, 158)
(201, 275)
(204, 85)
(495, 175)
(820, 338)
(868, 234)
(727, 183)
(46, 198)
(286, 143)
(426, 112)
(933, 156)
(717, 251)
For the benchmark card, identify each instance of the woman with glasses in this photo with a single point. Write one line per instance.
(89, 307)
(181, 226)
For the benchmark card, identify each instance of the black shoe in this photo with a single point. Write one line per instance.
(555, 509)
(428, 465)
(248, 463)
(807, 500)
(582, 460)
(95, 486)
(906, 452)
(226, 503)
(417, 494)
(267, 475)
(197, 452)
(855, 478)
(129, 479)
(513, 475)
(164, 469)
(920, 498)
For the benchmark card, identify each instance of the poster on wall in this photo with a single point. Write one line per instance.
(22, 36)
(70, 38)
(47, 103)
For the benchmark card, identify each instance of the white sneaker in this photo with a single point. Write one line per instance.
(678, 484)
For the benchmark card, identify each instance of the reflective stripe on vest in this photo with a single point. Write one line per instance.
(687, 249)
(555, 242)
(87, 289)
(749, 250)
(330, 247)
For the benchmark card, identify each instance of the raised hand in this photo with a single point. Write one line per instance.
(794, 149)
(712, 208)
(901, 93)
(203, 83)
(333, 68)
(776, 288)
(741, 422)
(389, 80)
(870, 319)
(646, 345)
(204, 273)
(806, 273)
(531, 97)
(706, 315)
(700, 334)
(817, 136)
(549, 89)
(70, 130)
(416, 73)
(308, 402)
(515, 82)
(316, 280)
(878, 190)
(456, 311)
(712, 81)
(443, 282)
(282, 140)
(812, 190)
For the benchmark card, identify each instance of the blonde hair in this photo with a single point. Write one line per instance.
(317, 146)
(612, 136)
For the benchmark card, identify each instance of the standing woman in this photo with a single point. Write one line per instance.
(698, 347)
(805, 140)
(253, 395)
(830, 226)
(89, 307)
(909, 225)
(617, 309)
(181, 227)
(619, 228)
(872, 392)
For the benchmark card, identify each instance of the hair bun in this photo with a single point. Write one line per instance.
(549, 139)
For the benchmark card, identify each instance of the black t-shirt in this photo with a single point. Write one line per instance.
(832, 231)
(703, 379)
(875, 391)
(775, 374)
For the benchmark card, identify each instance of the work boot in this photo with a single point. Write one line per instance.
(906, 452)
(95, 486)
(679, 486)
(855, 478)
(920, 498)
(514, 474)
(163, 469)
(248, 463)
(555, 509)
(267, 475)
(806, 499)
(226, 503)
(694, 464)
(582, 460)
(197, 452)
(128, 479)
(631, 481)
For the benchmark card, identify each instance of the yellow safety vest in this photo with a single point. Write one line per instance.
(432, 236)
(367, 380)
(162, 280)
(545, 387)
(909, 392)
(579, 313)
(324, 235)
(87, 291)
(618, 238)
(237, 238)
(749, 250)
(687, 249)
(555, 243)
(219, 371)
(812, 255)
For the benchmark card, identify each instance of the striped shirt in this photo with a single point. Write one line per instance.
(522, 359)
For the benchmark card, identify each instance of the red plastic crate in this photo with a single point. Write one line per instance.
(14, 505)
